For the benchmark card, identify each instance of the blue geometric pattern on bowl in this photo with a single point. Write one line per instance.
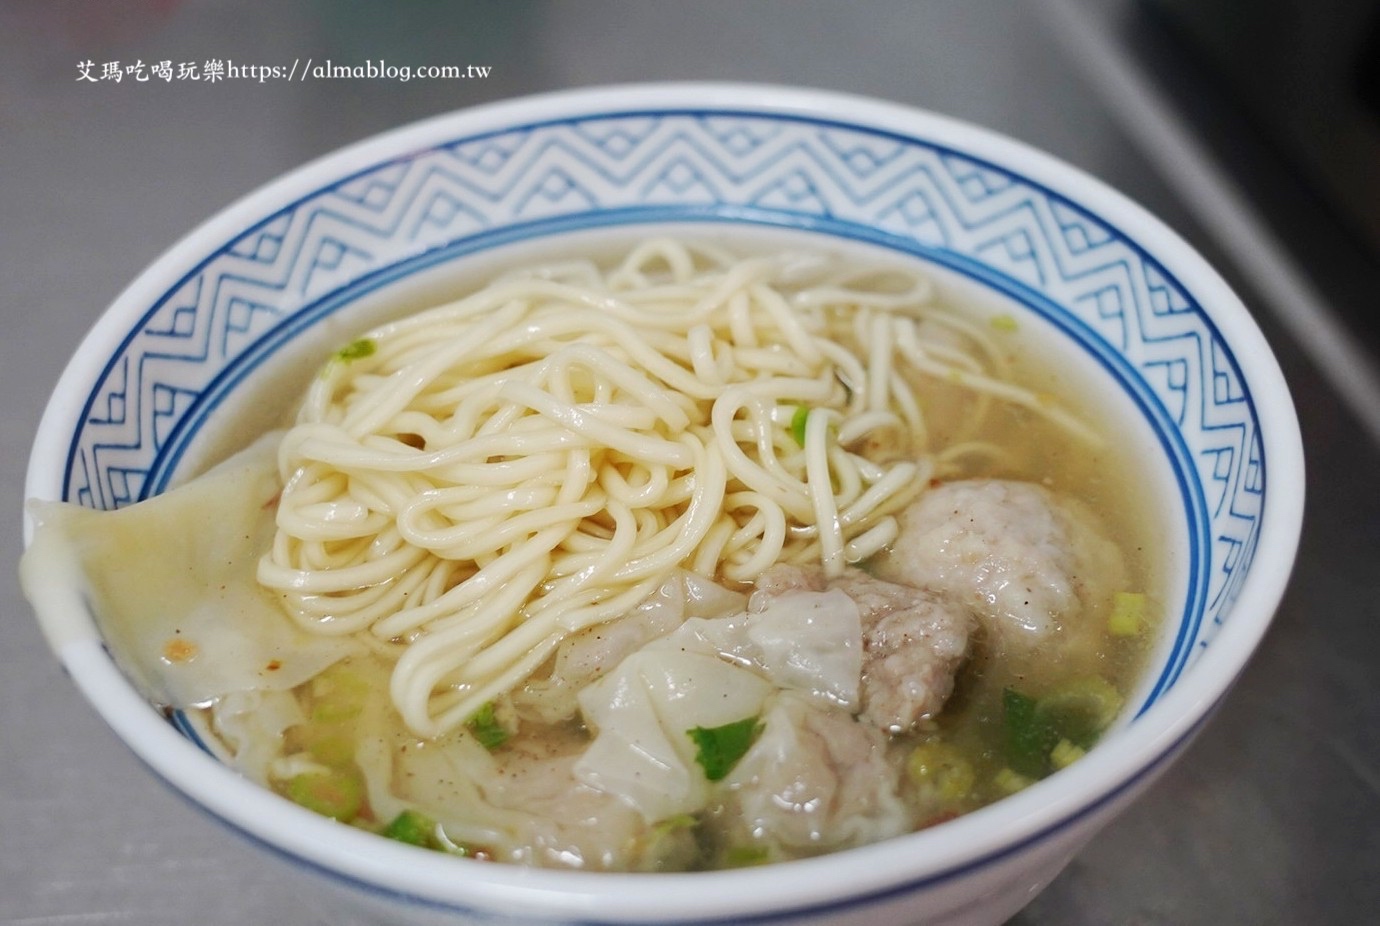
(405, 213)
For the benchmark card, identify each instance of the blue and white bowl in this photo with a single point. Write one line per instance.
(234, 309)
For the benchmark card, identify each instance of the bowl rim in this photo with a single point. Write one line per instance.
(985, 837)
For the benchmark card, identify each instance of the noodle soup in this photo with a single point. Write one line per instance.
(683, 560)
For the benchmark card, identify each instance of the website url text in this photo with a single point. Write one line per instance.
(215, 70)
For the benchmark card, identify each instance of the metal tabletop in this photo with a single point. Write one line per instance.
(1273, 817)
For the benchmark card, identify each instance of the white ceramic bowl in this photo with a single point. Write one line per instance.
(194, 340)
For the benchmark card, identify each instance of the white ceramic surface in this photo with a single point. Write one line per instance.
(208, 328)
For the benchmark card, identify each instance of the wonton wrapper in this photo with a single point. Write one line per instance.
(171, 581)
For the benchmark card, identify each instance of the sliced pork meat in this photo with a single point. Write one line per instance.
(1025, 560)
(914, 641)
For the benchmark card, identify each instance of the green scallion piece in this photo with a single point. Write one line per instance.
(1065, 753)
(1009, 781)
(747, 856)
(798, 422)
(1127, 618)
(940, 771)
(1028, 738)
(412, 827)
(487, 728)
(337, 793)
(1079, 710)
(357, 349)
(1003, 322)
(330, 745)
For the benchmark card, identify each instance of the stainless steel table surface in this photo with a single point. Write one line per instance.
(1273, 817)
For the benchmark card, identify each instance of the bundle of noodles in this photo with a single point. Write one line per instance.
(466, 487)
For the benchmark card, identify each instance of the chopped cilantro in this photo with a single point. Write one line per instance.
(718, 749)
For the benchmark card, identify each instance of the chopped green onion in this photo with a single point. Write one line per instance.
(1009, 781)
(338, 694)
(718, 749)
(673, 824)
(798, 422)
(330, 746)
(487, 728)
(1028, 740)
(680, 821)
(1128, 614)
(1065, 753)
(334, 711)
(1003, 322)
(670, 837)
(1079, 710)
(746, 856)
(338, 793)
(357, 350)
(940, 770)
(412, 827)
